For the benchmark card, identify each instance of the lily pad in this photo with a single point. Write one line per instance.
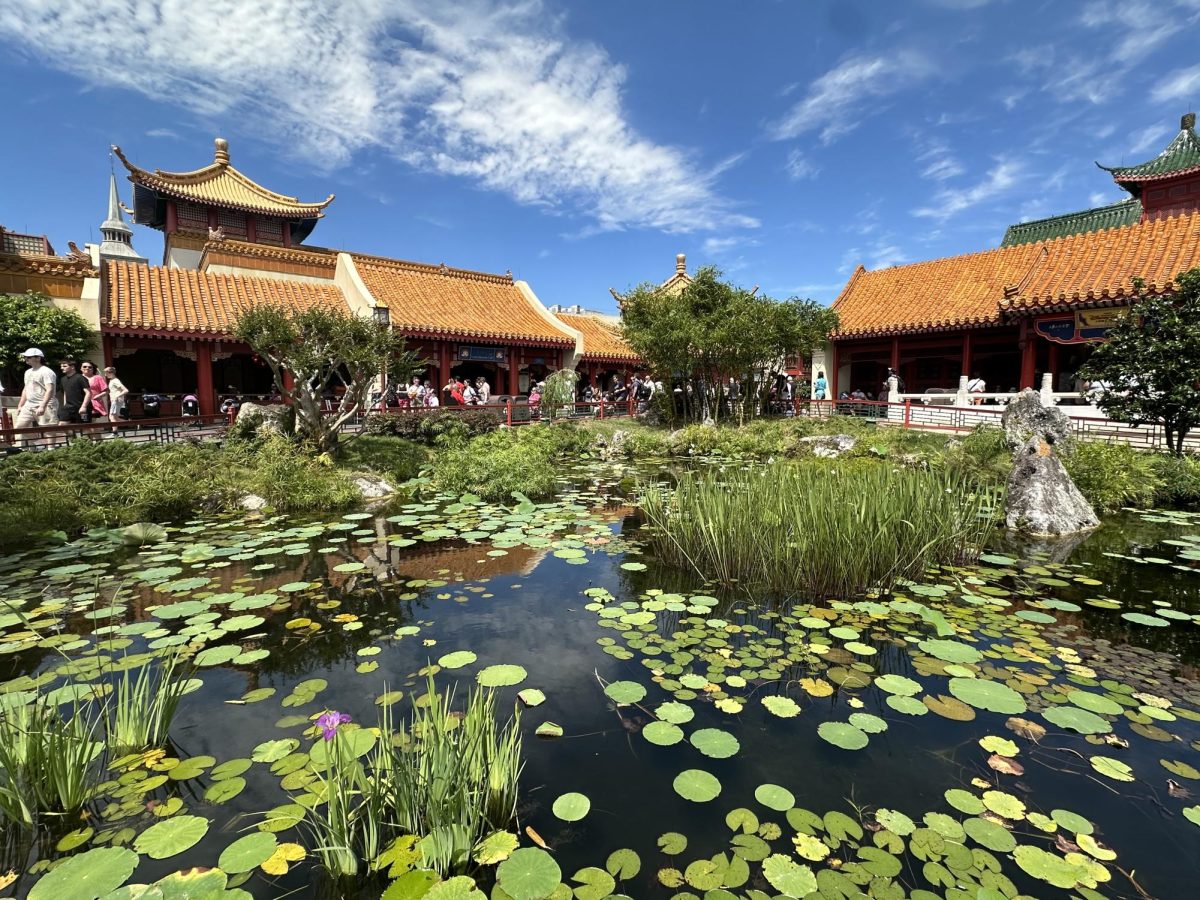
(248, 853)
(572, 807)
(529, 874)
(171, 837)
(625, 693)
(843, 735)
(697, 785)
(86, 876)
(775, 797)
(789, 878)
(989, 695)
(501, 676)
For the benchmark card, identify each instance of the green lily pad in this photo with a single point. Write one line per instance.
(989, 695)
(457, 659)
(1076, 719)
(843, 735)
(88, 875)
(171, 837)
(664, 734)
(248, 853)
(789, 878)
(625, 693)
(697, 785)
(572, 807)
(501, 676)
(529, 874)
(715, 743)
(775, 797)
(784, 707)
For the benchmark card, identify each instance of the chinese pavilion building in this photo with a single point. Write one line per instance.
(230, 243)
(1032, 306)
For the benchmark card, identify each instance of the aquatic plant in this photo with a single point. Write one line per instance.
(455, 779)
(821, 531)
(47, 761)
(1111, 474)
(141, 709)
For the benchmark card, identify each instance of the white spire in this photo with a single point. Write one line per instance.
(117, 236)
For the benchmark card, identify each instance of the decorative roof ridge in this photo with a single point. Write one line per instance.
(1126, 201)
(316, 255)
(387, 262)
(858, 272)
(159, 178)
(1186, 141)
(177, 273)
(47, 265)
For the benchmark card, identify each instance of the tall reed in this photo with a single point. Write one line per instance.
(141, 709)
(47, 761)
(814, 530)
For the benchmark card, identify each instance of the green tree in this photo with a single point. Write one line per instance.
(32, 320)
(322, 348)
(1151, 362)
(558, 393)
(713, 331)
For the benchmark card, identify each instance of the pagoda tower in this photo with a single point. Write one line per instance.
(116, 235)
(217, 200)
(1169, 184)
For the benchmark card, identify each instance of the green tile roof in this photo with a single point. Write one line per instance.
(1181, 155)
(1116, 215)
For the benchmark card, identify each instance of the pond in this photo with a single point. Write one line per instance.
(1026, 726)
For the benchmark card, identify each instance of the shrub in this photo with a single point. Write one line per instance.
(1113, 475)
(428, 427)
(817, 529)
(1179, 480)
(294, 481)
(394, 458)
(525, 460)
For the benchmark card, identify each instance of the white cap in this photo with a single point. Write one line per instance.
(33, 351)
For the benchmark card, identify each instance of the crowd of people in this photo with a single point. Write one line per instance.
(78, 395)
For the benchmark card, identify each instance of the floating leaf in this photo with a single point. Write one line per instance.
(788, 877)
(531, 697)
(715, 743)
(673, 843)
(675, 713)
(623, 864)
(664, 734)
(171, 836)
(775, 797)
(457, 659)
(1076, 719)
(248, 853)
(501, 676)
(496, 847)
(843, 735)
(572, 807)
(696, 785)
(1112, 768)
(88, 875)
(990, 695)
(529, 874)
(784, 707)
(625, 693)
(549, 730)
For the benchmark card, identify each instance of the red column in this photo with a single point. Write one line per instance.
(204, 379)
(514, 368)
(106, 346)
(251, 230)
(966, 354)
(1052, 368)
(896, 354)
(443, 367)
(172, 217)
(1028, 345)
(287, 234)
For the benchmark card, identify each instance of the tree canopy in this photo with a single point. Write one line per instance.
(1150, 362)
(32, 320)
(322, 349)
(713, 330)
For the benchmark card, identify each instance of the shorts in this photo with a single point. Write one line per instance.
(27, 416)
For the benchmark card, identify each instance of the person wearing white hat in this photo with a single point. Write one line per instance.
(38, 404)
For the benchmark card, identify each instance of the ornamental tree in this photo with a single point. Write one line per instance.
(322, 349)
(32, 320)
(712, 331)
(1151, 362)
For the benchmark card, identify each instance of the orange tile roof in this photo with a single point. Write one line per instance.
(142, 298)
(439, 300)
(220, 184)
(600, 340)
(977, 289)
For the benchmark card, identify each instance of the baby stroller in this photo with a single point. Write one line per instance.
(191, 405)
(150, 406)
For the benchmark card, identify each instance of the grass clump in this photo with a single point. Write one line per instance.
(1179, 480)
(1113, 475)
(525, 460)
(817, 530)
(142, 708)
(48, 762)
(429, 792)
(393, 458)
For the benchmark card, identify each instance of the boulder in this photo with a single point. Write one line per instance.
(252, 502)
(255, 419)
(614, 447)
(372, 487)
(1042, 499)
(829, 446)
(1025, 417)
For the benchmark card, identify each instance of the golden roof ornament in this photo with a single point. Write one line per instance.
(221, 156)
(680, 264)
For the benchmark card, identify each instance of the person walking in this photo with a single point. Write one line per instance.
(483, 390)
(38, 404)
(820, 386)
(99, 388)
(118, 397)
(76, 394)
(976, 387)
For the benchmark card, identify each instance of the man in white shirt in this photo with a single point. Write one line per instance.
(38, 405)
(976, 386)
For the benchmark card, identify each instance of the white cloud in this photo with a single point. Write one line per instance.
(948, 202)
(490, 90)
(166, 133)
(837, 102)
(1182, 84)
(880, 254)
(799, 167)
(1152, 138)
(939, 162)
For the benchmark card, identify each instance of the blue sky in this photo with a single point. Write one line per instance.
(583, 145)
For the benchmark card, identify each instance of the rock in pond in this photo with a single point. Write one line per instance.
(830, 446)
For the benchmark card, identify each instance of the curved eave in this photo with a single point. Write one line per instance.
(136, 329)
(1091, 300)
(523, 340)
(917, 328)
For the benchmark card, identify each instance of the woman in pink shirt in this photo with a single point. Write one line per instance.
(99, 388)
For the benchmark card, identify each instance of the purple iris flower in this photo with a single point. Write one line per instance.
(328, 722)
